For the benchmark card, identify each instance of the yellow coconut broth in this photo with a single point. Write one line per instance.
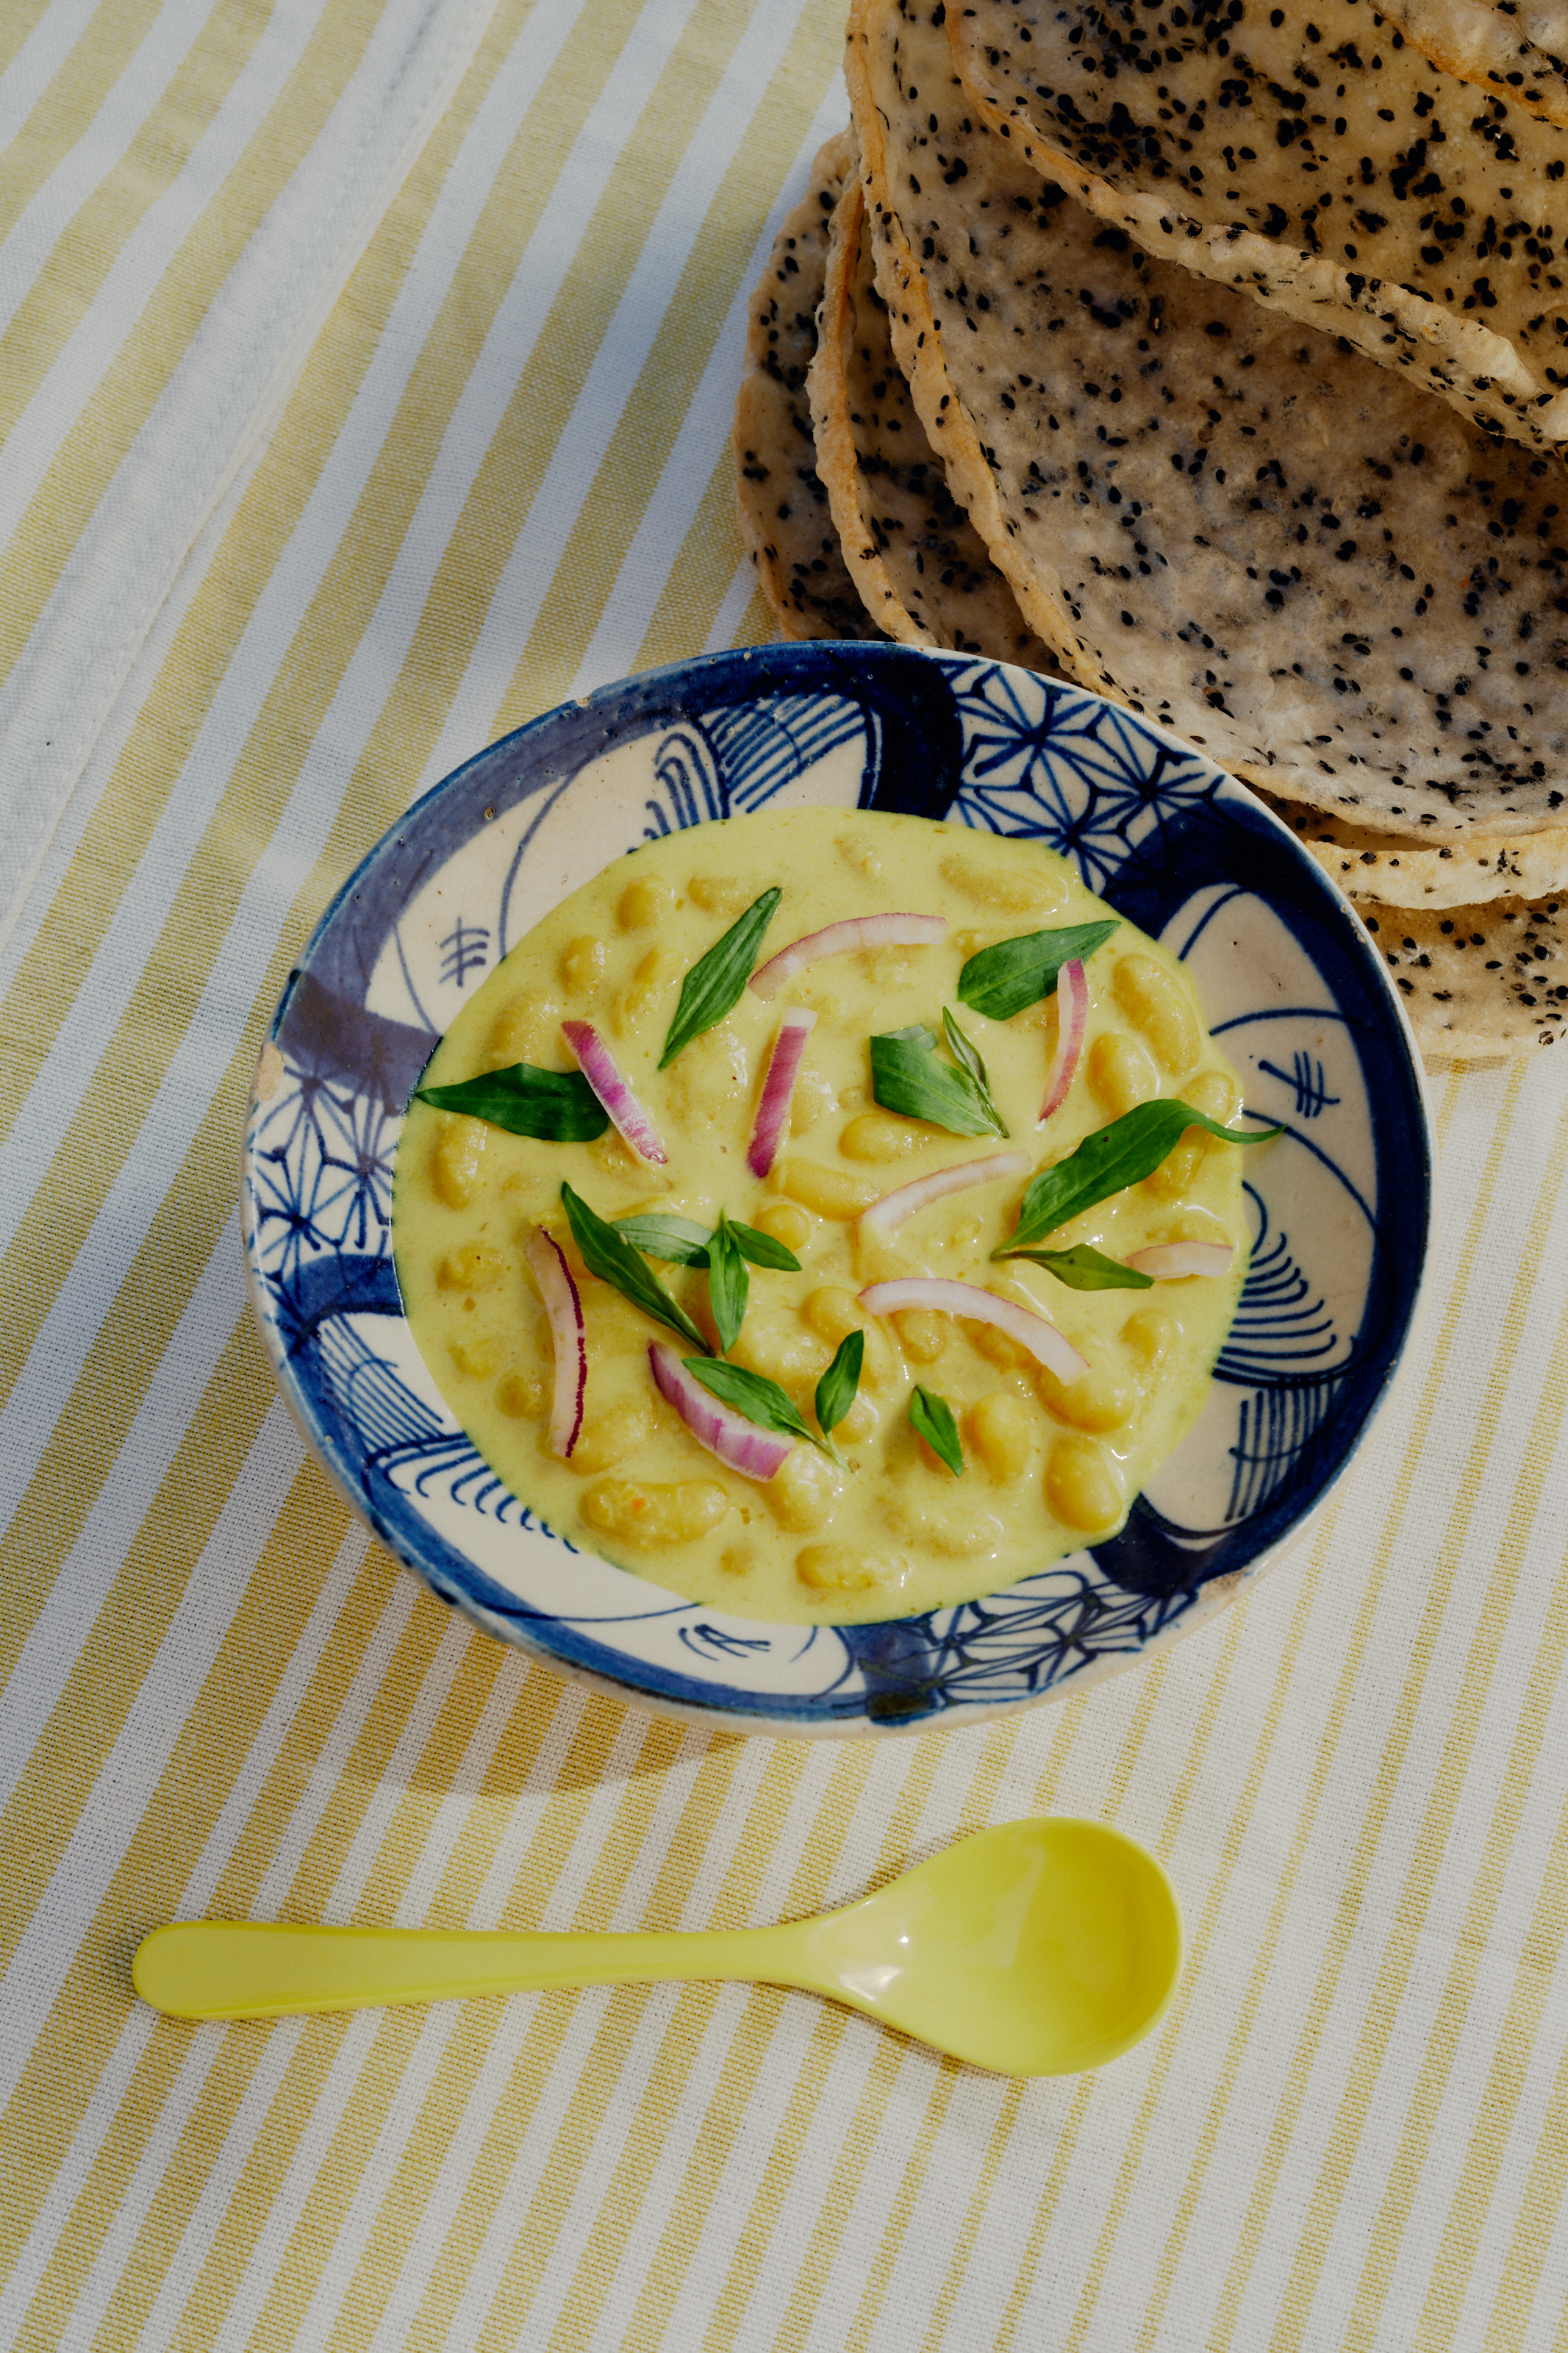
(1049, 1467)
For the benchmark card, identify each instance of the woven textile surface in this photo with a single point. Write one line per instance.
(366, 386)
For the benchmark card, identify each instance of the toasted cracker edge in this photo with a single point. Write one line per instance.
(838, 462)
(834, 160)
(917, 348)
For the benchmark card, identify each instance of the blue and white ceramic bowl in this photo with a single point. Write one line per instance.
(1288, 978)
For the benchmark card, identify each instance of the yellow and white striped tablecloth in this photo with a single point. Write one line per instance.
(365, 389)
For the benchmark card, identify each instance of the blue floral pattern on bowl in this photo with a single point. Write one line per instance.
(1288, 978)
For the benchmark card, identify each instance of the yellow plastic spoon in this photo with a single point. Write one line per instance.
(1038, 1948)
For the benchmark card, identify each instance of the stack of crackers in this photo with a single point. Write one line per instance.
(1214, 357)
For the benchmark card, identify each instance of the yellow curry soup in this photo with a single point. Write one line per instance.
(1048, 1465)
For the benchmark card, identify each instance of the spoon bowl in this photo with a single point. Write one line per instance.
(1040, 1948)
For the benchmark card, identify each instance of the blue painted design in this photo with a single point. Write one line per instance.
(1282, 1327)
(1285, 1349)
(1275, 1428)
(404, 1442)
(464, 951)
(1306, 1077)
(761, 747)
(717, 1639)
(1150, 824)
(1032, 747)
(322, 1171)
(1013, 1645)
(735, 760)
(691, 787)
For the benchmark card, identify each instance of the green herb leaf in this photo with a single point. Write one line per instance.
(932, 1419)
(659, 1235)
(962, 1052)
(835, 1389)
(715, 981)
(729, 1285)
(612, 1258)
(762, 1249)
(1110, 1160)
(1082, 1269)
(556, 1106)
(906, 1077)
(682, 1243)
(675, 1239)
(968, 1060)
(1001, 980)
(759, 1400)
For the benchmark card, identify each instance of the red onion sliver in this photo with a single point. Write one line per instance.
(855, 932)
(599, 1067)
(885, 1216)
(739, 1444)
(778, 1088)
(1072, 1010)
(1051, 1347)
(568, 1336)
(1168, 1261)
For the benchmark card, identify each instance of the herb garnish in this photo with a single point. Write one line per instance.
(968, 1060)
(715, 981)
(1001, 980)
(1082, 1269)
(761, 1249)
(729, 1285)
(1110, 1160)
(658, 1234)
(760, 1400)
(611, 1257)
(556, 1106)
(906, 1077)
(835, 1389)
(932, 1419)
(675, 1239)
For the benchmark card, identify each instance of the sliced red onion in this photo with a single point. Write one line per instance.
(885, 1216)
(754, 1453)
(855, 932)
(568, 1335)
(1052, 1348)
(1168, 1261)
(601, 1069)
(778, 1088)
(1072, 1011)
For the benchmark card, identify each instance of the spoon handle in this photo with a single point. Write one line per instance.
(223, 1968)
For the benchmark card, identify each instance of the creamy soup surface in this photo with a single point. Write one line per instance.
(1048, 1465)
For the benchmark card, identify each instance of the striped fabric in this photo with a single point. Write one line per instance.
(367, 389)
